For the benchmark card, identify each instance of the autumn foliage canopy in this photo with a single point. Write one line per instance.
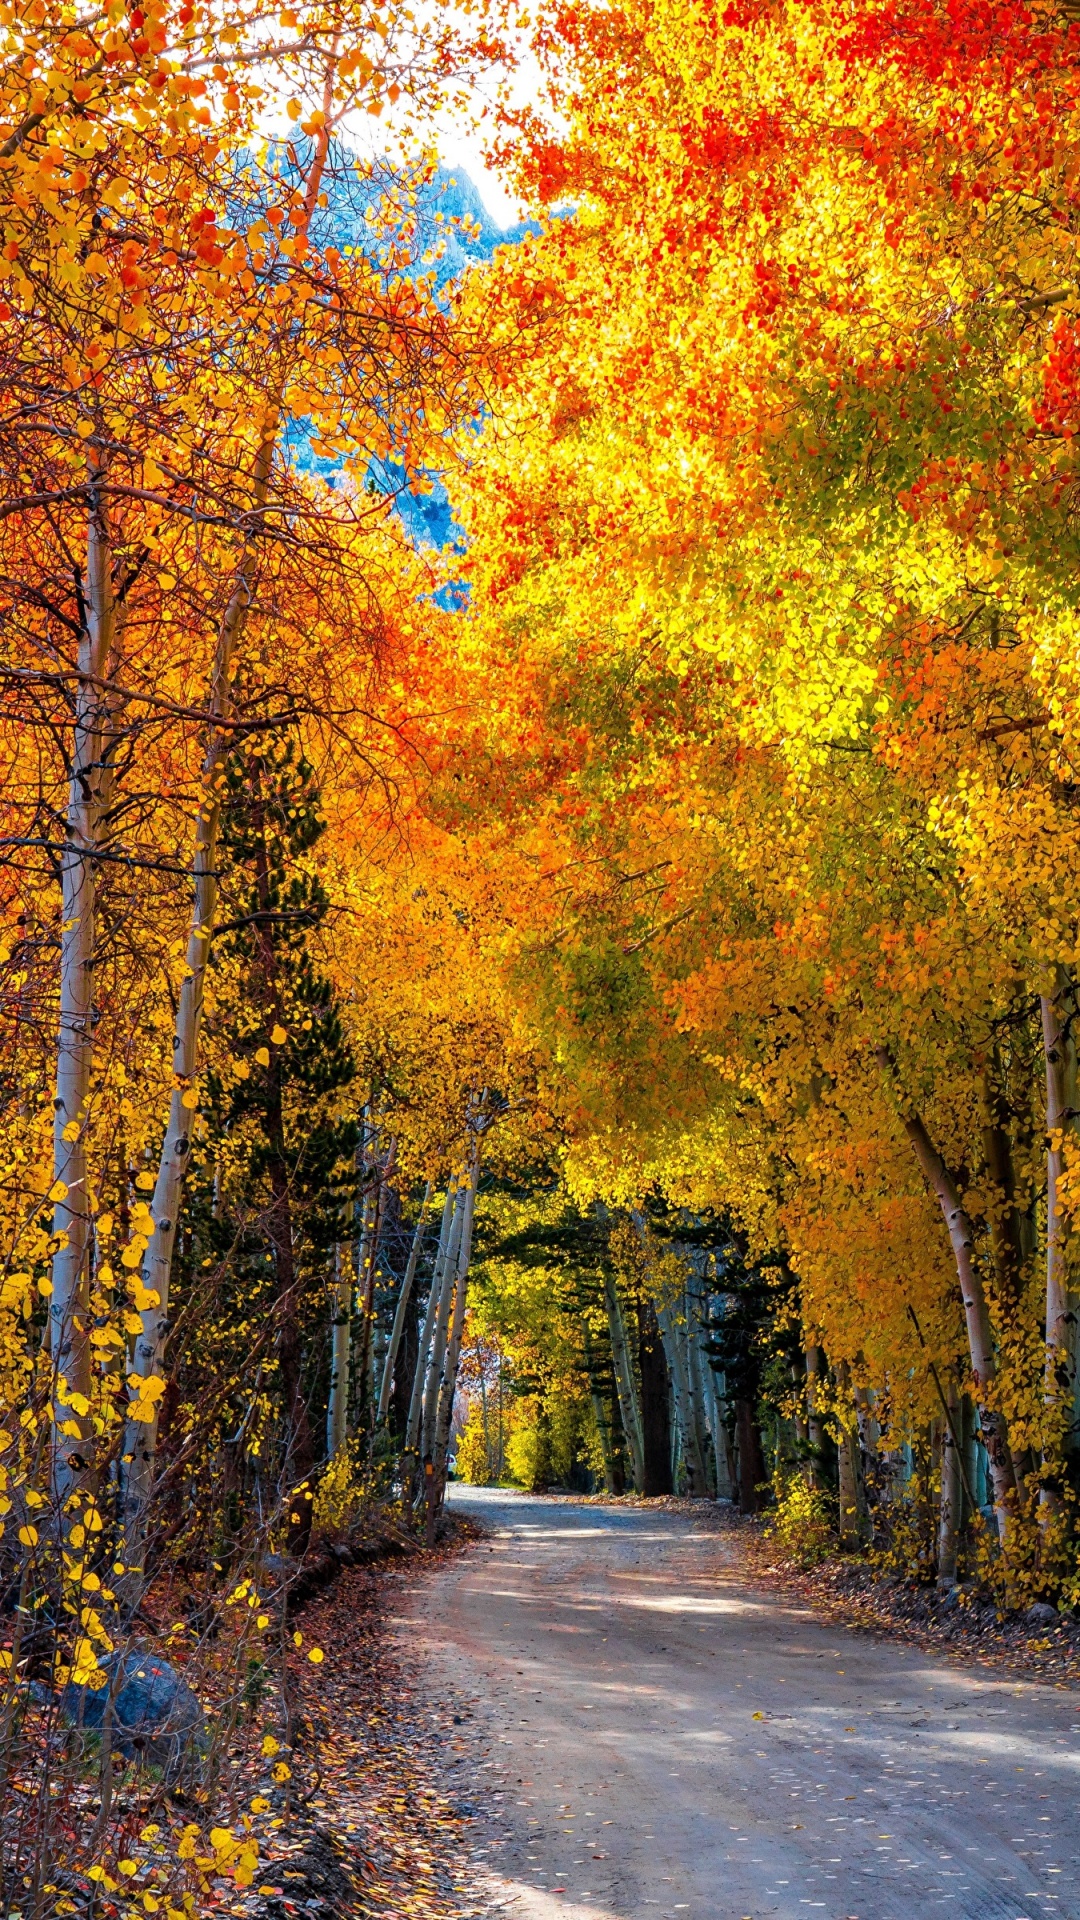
(653, 905)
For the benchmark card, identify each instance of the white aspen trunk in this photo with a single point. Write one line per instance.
(670, 1333)
(718, 1429)
(147, 1379)
(699, 1369)
(365, 1278)
(814, 1427)
(416, 1401)
(69, 1305)
(398, 1328)
(624, 1381)
(976, 1312)
(448, 1387)
(1059, 1013)
(337, 1408)
(952, 1491)
(441, 1329)
(685, 1331)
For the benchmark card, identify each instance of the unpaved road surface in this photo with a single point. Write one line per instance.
(668, 1741)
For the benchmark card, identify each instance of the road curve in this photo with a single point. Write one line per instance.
(669, 1743)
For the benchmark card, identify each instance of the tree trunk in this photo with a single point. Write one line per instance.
(698, 1391)
(69, 1305)
(448, 1387)
(1059, 1018)
(971, 1452)
(337, 1408)
(299, 1454)
(624, 1375)
(365, 1295)
(675, 1350)
(148, 1360)
(655, 1405)
(976, 1313)
(1003, 1214)
(148, 1365)
(853, 1516)
(416, 1402)
(402, 1308)
(814, 1426)
(952, 1490)
(725, 1480)
(441, 1328)
(751, 1458)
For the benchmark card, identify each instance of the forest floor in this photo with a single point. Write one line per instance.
(546, 1723)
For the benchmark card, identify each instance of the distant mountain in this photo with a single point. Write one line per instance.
(454, 231)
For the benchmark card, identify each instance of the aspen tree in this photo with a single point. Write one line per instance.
(423, 1354)
(402, 1307)
(69, 1305)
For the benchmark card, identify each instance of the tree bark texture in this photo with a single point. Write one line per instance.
(69, 1304)
(402, 1308)
(441, 1328)
(673, 1331)
(423, 1351)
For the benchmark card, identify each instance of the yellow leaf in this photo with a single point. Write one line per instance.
(28, 1536)
(278, 1037)
(262, 1055)
(149, 1386)
(316, 1655)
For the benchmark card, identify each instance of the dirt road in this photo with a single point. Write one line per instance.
(669, 1742)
